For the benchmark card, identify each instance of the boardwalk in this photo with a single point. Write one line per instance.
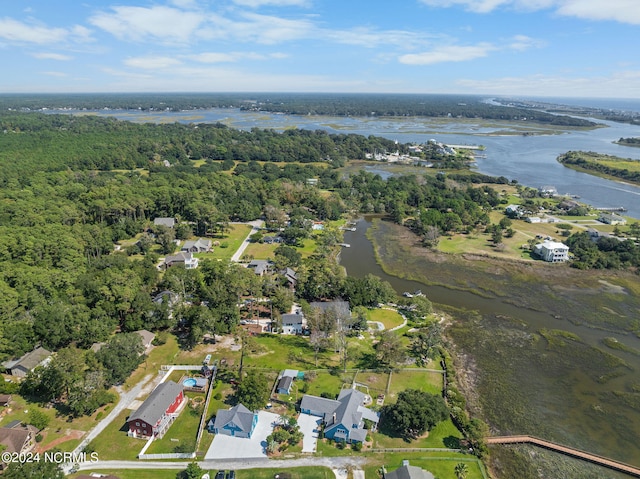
(602, 461)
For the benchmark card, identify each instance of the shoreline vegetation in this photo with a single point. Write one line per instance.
(551, 358)
(635, 142)
(605, 166)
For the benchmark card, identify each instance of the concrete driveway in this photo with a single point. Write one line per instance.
(309, 425)
(227, 447)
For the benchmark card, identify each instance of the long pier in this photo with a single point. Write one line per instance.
(569, 451)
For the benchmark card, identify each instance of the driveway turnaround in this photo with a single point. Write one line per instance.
(309, 426)
(227, 447)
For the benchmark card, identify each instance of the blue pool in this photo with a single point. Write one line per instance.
(189, 382)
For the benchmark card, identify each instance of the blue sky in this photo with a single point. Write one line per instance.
(581, 48)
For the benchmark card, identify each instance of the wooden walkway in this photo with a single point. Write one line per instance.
(602, 461)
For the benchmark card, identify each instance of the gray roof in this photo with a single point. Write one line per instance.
(259, 265)
(315, 403)
(156, 405)
(239, 415)
(408, 472)
(147, 336)
(200, 243)
(180, 257)
(32, 359)
(290, 372)
(168, 222)
(285, 383)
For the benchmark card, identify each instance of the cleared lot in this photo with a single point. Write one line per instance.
(227, 447)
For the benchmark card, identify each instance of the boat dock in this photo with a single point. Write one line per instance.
(619, 208)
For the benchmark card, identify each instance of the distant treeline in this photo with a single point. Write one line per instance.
(456, 106)
(625, 169)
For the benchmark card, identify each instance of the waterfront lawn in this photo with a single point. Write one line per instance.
(285, 351)
(114, 444)
(312, 472)
(427, 381)
(376, 382)
(389, 318)
(443, 435)
(440, 464)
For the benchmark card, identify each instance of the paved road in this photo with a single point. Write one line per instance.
(284, 464)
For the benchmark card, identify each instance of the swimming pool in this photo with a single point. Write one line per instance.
(189, 382)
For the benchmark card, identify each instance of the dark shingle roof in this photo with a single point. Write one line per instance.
(32, 359)
(408, 472)
(152, 410)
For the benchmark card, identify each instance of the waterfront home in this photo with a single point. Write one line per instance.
(552, 251)
(611, 219)
(407, 471)
(343, 419)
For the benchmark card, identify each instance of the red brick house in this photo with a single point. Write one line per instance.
(158, 412)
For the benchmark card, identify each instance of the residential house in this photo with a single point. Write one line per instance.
(168, 297)
(611, 219)
(28, 362)
(548, 191)
(181, 259)
(272, 239)
(533, 219)
(237, 421)
(201, 245)
(259, 266)
(5, 399)
(158, 412)
(168, 222)
(317, 226)
(552, 251)
(290, 276)
(286, 381)
(512, 211)
(406, 471)
(17, 439)
(147, 338)
(293, 323)
(343, 419)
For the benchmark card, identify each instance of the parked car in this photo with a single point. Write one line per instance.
(231, 475)
(220, 475)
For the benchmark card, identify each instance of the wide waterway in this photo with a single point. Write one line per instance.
(529, 159)
(532, 386)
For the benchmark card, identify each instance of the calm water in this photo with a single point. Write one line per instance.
(560, 399)
(529, 159)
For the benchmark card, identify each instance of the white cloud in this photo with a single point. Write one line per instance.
(152, 62)
(165, 24)
(51, 56)
(16, 31)
(275, 3)
(55, 74)
(450, 53)
(523, 42)
(218, 57)
(625, 84)
(623, 11)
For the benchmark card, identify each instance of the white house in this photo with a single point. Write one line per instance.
(552, 251)
(611, 219)
(187, 259)
(293, 323)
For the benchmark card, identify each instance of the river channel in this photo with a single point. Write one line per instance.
(573, 392)
(529, 159)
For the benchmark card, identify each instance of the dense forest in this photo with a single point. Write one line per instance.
(456, 106)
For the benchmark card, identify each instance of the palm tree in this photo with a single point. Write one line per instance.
(461, 470)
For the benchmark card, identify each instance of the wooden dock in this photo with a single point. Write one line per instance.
(569, 451)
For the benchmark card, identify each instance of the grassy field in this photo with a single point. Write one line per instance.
(114, 444)
(440, 464)
(390, 319)
(261, 250)
(229, 243)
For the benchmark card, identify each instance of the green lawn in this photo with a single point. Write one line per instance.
(444, 434)
(114, 444)
(422, 380)
(390, 319)
(136, 474)
(324, 382)
(159, 355)
(229, 243)
(260, 250)
(296, 473)
(440, 464)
